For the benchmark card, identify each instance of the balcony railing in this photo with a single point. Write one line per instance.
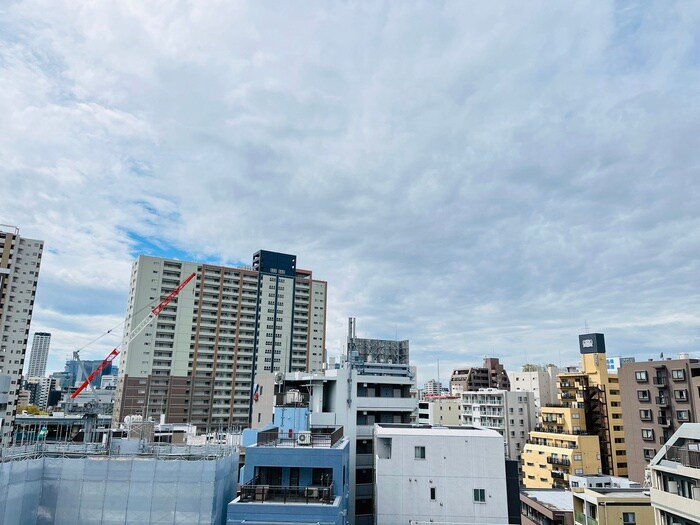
(661, 380)
(582, 519)
(662, 401)
(684, 456)
(258, 493)
(553, 460)
(320, 437)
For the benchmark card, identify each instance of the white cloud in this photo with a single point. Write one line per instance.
(481, 179)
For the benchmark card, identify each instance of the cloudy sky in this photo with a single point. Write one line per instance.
(480, 178)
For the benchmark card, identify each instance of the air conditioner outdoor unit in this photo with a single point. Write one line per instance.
(304, 438)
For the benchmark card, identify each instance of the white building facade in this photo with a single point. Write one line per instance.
(675, 478)
(20, 260)
(511, 414)
(39, 354)
(542, 382)
(439, 475)
(440, 410)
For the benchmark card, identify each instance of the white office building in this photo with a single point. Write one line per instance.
(39, 354)
(448, 475)
(432, 388)
(542, 382)
(675, 478)
(511, 414)
(20, 260)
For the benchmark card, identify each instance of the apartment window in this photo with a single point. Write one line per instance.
(680, 395)
(420, 452)
(678, 375)
(643, 395)
(648, 434)
(628, 518)
(641, 376)
(649, 453)
(479, 495)
(432, 493)
(645, 415)
(682, 415)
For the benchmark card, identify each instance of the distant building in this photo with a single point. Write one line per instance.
(491, 375)
(511, 414)
(432, 388)
(199, 360)
(440, 410)
(426, 474)
(601, 481)
(39, 389)
(614, 363)
(546, 507)
(657, 398)
(20, 260)
(72, 374)
(542, 382)
(39, 354)
(675, 478)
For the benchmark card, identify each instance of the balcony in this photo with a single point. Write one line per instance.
(684, 456)
(554, 460)
(557, 474)
(661, 380)
(581, 519)
(319, 437)
(665, 422)
(251, 492)
(662, 401)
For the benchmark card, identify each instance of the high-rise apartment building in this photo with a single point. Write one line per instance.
(198, 360)
(491, 375)
(39, 354)
(583, 433)
(20, 260)
(657, 398)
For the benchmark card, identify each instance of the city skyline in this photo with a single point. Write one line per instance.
(478, 180)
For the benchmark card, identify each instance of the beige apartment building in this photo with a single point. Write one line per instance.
(198, 360)
(583, 433)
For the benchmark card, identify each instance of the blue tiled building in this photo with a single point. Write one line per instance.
(293, 473)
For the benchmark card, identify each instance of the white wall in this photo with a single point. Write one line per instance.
(456, 462)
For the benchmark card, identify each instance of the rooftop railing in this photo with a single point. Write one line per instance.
(259, 493)
(317, 437)
(684, 455)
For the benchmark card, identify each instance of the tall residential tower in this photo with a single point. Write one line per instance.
(20, 259)
(197, 362)
(39, 354)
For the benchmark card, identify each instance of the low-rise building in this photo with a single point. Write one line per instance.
(675, 478)
(600, 481)
(293, 470)
(612, 506)
(439, 474)
(546, 507)
(440, 410)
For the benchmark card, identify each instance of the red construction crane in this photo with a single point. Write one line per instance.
(128, 337)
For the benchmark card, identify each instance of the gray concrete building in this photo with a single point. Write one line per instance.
(39, 354)
(20, 260)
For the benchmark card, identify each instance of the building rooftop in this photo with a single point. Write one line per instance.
(553, 499)
(437, 430)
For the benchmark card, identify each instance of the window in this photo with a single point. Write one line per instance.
(420, 452)
(647, 434)
(678, 375)
(645, 415)
(628, 518)
(682, 415)
(432, 493)
(479, 495)
(641, 376)
(649, 453)
(643, 395)
(680, 395)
